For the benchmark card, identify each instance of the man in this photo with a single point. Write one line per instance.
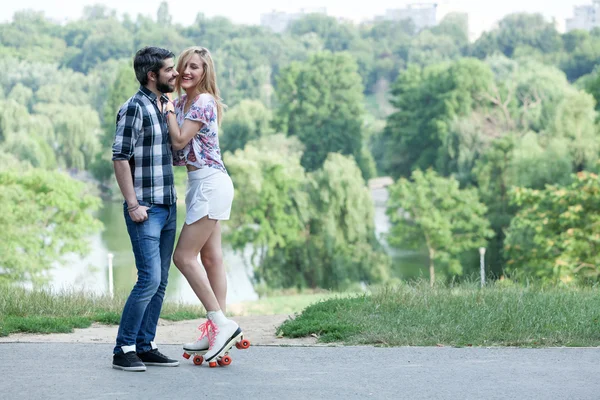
(143, 168)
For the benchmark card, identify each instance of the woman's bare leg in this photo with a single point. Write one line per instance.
(192, 239)
(211, 255)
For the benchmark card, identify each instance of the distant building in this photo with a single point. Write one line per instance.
(584, 17)
(278, 21)
(423, 15)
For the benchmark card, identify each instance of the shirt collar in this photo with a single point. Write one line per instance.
(148, 93)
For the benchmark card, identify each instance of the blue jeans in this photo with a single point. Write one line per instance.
(152, 242)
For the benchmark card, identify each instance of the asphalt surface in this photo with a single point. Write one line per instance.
(83, 371)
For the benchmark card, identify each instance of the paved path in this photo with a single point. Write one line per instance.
(83, 371)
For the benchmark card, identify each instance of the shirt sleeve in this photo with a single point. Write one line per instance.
(203, 110)
(129, 128)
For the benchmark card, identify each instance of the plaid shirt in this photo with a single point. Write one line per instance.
(142, 138)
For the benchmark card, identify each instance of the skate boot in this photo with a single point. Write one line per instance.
(227, 334)
(200, 346)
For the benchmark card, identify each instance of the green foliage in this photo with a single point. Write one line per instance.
(247, 121)
(456, 26)
(427, 103)
(337, 36)
(434, 211)
(517, 30)
(123, 87)
(312, 230)
(342, 229)
(273, 207)
(584, 56)
(492, 124)
(108, 40)
(321, 103)
(78, 139)
(47, 215)
(554, 236)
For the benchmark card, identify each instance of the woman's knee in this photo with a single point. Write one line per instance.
(183, 260)
(212, 260)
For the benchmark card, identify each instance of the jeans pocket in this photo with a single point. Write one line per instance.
(146, 204)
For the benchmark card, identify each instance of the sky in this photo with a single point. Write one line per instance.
(482, 13)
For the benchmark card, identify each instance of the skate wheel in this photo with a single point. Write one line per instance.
(186, 356)
(212, 364)
(244, 344)
(225, 361)
(198, 359)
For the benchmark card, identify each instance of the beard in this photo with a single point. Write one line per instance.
(164, 87)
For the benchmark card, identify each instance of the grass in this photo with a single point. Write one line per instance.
(43, 311)
(407, 314)
(416, 315)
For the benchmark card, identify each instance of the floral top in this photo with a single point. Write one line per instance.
(203, 150)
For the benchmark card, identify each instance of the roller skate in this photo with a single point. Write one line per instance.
(216, 338)
(198, 348)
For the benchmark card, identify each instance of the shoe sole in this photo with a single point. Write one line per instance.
(228, 345)
(130, 369)
(173, 364)
(200, 351)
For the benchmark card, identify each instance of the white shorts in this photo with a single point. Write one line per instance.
(209, 192)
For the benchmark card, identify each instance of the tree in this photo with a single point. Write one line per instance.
(516, 30)
(433, 210)
(427, 49)
(160, 33)
(77, 139)
(583, 59)
(554, 236)
(591, 84)
(321, 102)
(271, 202)
(456, 26)
(427, 102)
(575, 122)
(306, 230)
(342, 242)
(163, 17)
(337, 36)
(247, 121)
(47, 215)
(388, 42)
(109, 40)
(34, 37)
(123, 86)
(493, 176)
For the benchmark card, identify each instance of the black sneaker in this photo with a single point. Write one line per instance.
(128, 362)
(155, 357)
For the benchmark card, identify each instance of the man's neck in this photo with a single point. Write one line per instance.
(153, 89)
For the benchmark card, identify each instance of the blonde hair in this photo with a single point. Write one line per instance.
(208, 81)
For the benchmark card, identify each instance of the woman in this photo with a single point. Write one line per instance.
(193, 121)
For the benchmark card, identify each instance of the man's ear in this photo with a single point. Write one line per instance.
(152, 76)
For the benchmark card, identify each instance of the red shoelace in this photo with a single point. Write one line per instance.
(210, 330)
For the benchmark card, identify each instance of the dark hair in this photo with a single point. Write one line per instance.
(149, 59)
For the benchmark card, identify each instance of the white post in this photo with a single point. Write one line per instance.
(110, 275)
(482, 265)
